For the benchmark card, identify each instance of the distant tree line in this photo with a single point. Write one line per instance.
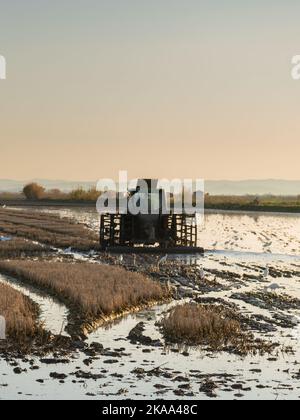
(34, 191)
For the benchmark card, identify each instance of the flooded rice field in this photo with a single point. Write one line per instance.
(232, 231)
(251, 262)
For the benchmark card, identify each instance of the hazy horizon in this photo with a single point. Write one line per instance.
(220, 187)
(36, 178)
(196, 89)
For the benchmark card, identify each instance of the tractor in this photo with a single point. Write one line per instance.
(154, 232)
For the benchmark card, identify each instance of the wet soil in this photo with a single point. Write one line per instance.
(130, 358)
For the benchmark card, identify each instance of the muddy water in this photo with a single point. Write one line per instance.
(276, 233)
(274, 377)
(238, 244)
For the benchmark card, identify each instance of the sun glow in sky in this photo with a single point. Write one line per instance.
(195, 88)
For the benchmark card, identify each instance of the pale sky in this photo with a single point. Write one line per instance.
(162, 88)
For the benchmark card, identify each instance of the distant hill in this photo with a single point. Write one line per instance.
(259, 187)
(221, 187)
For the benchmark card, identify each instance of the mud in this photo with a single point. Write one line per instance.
(121, 359)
